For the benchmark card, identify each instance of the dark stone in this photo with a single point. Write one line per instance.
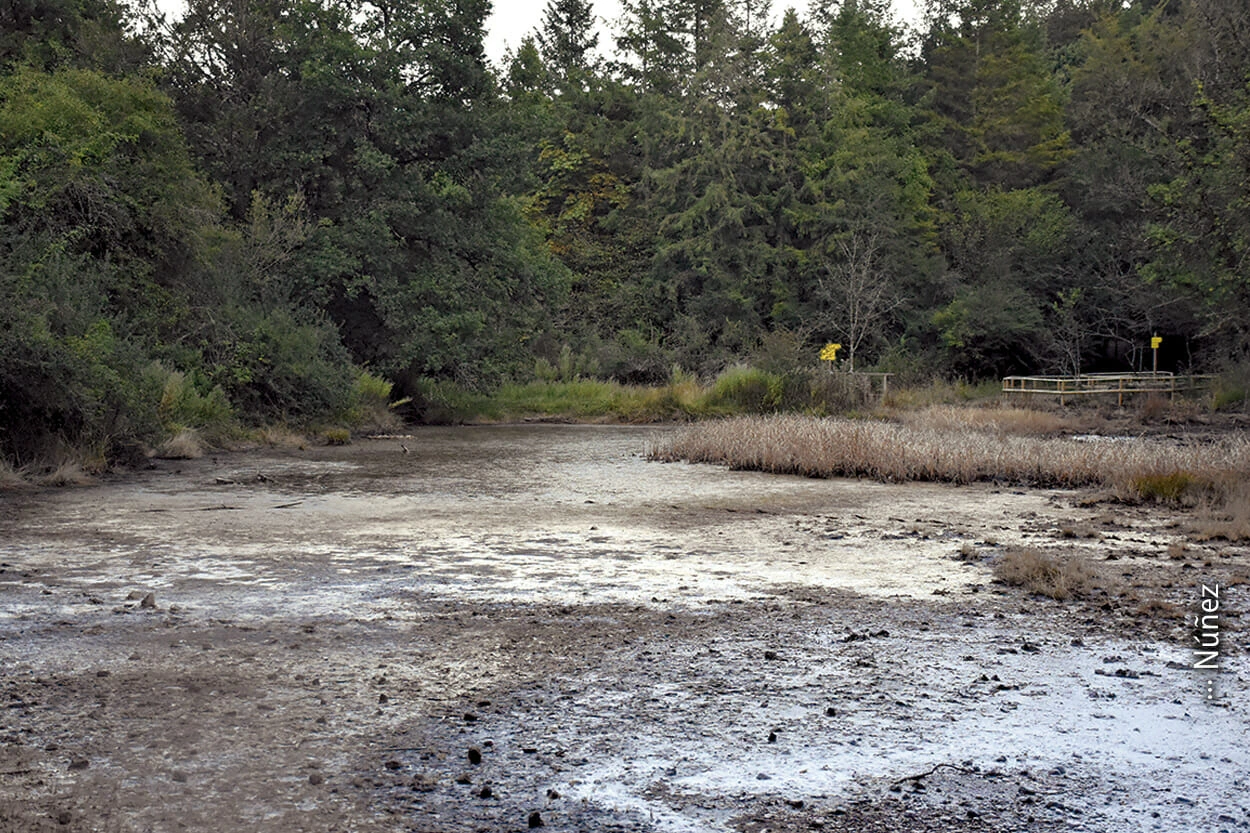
(475, 755)
(316, 778)
(535, 820)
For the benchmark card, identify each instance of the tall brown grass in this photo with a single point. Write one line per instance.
(895, 452)
(1019, 421)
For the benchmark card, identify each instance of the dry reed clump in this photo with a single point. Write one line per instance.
(1043, 573)
(786, 444)
(187, 444)
(1018, 421)
(279, 436)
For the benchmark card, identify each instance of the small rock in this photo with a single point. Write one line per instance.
(831, 712)
(149, 602)
(179, 776)
(382, 698)
(475, 755)
(79, 763)
(552, 795)
(316, 778)
(102, 673)
(763, 777)
(772, 737)
(770, 655)
(64, 817)
(535, 820)
(392, 765)
(485, 792)
(464, 778)
(470, 717)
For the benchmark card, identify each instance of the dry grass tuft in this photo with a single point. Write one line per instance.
(67, 473)
(1227, 517)
(1048, 575)
(337, 436)
(187, 444)
(11, 478)
(886, 451)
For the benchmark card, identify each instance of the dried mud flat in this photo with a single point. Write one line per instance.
(512, 626)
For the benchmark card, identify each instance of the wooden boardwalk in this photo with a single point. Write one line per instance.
(1104, 384)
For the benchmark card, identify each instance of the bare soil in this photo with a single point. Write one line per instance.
(501, 627)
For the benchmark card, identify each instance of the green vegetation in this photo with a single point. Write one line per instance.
(313, 211)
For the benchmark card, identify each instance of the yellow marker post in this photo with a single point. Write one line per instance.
(830, 354)
(1155, 341)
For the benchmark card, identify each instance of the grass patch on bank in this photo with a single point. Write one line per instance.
(898, 452)
(738, 390)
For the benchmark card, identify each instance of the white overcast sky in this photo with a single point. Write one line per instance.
(512, 20)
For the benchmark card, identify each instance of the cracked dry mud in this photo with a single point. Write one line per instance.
(522, 625)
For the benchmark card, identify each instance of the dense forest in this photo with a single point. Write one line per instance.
(277, 209)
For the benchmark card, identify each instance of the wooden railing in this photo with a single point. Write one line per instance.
(1104, 384)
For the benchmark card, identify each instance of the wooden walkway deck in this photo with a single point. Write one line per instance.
(1104, 384)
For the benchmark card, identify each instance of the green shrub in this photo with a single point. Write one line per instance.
(371, 404)
(279, 367)
(185, 404)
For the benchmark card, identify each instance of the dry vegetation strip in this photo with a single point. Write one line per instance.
(889, 451)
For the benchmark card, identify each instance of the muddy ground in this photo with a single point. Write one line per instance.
(510, 626)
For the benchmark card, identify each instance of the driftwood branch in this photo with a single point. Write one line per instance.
(936, 767)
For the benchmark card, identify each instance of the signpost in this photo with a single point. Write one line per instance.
(830, 354)
(1155, 341)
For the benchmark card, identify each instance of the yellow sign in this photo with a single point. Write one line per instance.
(1155, 342)
(830, 353)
